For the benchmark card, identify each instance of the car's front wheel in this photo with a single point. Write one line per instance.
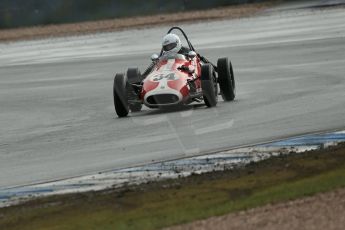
(133, 77)
(120, 95)
(209, 85)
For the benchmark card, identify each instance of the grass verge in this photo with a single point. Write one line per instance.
(160, 204)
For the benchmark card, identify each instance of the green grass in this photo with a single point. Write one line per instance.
(166, 203)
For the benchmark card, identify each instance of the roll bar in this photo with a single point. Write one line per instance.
(190, 46)
(185, 36)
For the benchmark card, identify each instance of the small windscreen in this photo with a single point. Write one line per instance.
(167, 56)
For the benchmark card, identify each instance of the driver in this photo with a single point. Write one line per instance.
(172, 44)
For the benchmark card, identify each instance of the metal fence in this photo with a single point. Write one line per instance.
(17, 13)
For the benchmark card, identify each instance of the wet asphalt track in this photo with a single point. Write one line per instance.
(56, 111)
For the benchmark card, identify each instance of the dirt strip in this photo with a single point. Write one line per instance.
(135, 22)
(322, 211)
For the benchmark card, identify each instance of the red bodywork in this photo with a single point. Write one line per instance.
(174, 80)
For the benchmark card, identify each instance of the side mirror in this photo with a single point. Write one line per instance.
(191, 54)
(154, 57)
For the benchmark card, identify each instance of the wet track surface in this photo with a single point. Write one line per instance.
(57, 118)
(184, 167)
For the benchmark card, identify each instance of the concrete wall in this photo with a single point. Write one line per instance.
(17, 13)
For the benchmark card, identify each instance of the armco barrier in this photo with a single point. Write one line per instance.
(17, 13)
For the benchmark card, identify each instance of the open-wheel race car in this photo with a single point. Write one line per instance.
(174, 78)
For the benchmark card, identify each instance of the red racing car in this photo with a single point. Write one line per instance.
(174, 79)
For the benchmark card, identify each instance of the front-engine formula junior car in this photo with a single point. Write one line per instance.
(174, 79)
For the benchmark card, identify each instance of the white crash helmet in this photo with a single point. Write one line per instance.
(171, 43)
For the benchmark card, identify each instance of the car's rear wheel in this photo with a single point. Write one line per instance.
(226, 79)
(133, 77)
(120, 95)
(209, 86)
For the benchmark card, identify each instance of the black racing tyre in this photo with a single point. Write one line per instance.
(226, 79)
(120, 95)
(133, 75)
(209, 85)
